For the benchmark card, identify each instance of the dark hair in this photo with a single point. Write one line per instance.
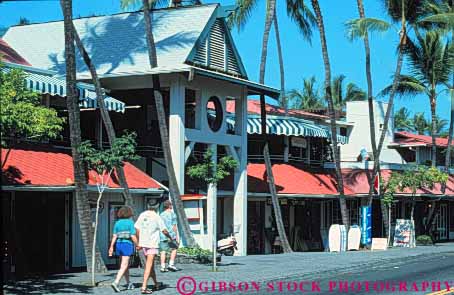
(124, 212)
(167, 204)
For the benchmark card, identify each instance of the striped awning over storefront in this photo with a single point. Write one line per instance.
(45, 82)
(287, 126)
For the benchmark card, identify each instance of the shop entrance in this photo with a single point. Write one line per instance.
(39, 234)
(256, 227)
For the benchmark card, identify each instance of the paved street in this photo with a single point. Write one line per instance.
(423, 264)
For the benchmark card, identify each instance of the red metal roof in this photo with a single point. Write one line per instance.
(293, 179)
(8, 54)
(54, 167)
(253, 107)
(407, 138)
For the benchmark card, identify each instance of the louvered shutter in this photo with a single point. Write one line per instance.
(217, 46)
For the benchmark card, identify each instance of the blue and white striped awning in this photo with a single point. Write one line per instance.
(286, 126)
(47, 83)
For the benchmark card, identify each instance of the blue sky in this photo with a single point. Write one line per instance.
(301, 59)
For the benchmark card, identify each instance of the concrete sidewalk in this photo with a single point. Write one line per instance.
(257, 268)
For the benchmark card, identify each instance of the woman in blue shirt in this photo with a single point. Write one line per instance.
(124, 238)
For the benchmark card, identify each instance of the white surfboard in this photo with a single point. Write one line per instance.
(334, 238)
(354, 238)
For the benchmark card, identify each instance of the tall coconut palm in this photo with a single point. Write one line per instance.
(129, 201)
(306, 99)
(402, 120)
(173, 185)
(332, 114)
(431, 61)
(175, 193)
(340, 95)
(370, 102)
(407, 12)
(441, 15)
(80, 181)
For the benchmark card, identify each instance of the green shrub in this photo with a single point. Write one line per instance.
(198, 253)
(424, 240)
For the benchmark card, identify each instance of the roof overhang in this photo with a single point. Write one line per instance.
(253, 87)
(406, 145)
(71, 188)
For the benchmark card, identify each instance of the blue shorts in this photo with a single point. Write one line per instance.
(124, 249)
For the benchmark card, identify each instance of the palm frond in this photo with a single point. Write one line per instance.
(242, 14)
(303, 16)
(444, 19)
(407, 86)
(358, 28)
(137, 4)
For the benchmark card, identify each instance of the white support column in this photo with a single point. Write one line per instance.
(176, 129)
(240, 185)
(212, 205)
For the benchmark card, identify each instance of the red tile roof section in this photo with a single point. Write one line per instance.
(253, 107)
(54, 167)
(404, 137)
(8, 54)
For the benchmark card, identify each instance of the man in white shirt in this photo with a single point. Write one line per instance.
(148, 226)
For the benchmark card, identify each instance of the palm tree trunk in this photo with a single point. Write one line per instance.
(450, 135)
(332, 114)
(281, 62)
(370, 100)
(173, 185)
(266, 155)
(81, 194)
(129, 201)
(433, 110)
(400, 58)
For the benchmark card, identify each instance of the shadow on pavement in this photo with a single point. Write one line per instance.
(51, 285)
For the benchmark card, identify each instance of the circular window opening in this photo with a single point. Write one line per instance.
(214, 113)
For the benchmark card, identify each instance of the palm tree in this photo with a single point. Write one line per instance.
(431, 61)
(442, 16)
(420, 124)
(402, 120)
(129, 201)
(341, 95)
(175, 194)
(306, 99)
(440, 125)
(173, 185)
(332, 114)
(81, 194)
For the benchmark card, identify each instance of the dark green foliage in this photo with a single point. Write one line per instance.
(21, 114)
(424, 240)
(205, 170)
(123, 149)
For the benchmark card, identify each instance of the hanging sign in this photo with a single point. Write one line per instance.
(299, 142)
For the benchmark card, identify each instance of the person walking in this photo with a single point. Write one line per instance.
(148, 226)
(170, 221)
(123, 239)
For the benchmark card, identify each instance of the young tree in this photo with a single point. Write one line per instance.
(103, 162)
(21, 114)
(211, 172)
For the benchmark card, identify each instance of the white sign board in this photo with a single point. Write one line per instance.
(404, 233)
(379, 244)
